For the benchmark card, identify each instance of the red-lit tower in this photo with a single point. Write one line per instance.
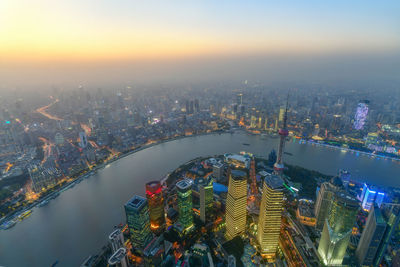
(283, 133)
(156, 206)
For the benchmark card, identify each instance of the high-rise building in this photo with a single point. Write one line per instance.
(324, 200)
(154, 252)
(59, 139)
(118, 259)
(361, 115)
(371, 237)
(191, 107)
(187, 106)
(345, 176)
(218, 170)
(155, 199)
(391, 214)
(269, 221)
(184, 188)
(266, 123)
(370, 195)
(137, 217)
(206, 198)
(337, 229)
(259, 123)
(281, 114)
(116, 240)
(236, 204)
(253, 121)
(196, 105)
(201, 256)
(239, 99)
(83, 140)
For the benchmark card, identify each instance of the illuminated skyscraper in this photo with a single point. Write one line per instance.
(269, 222)
(369, 195)
(337, 229)
(361, 115)
(236, 204)
(281, 114)
(137, 217)
(184, 188)
(266, 123)
(371, 237)
(253, 121)
(324, 200)
(206, 198)
(156, 206)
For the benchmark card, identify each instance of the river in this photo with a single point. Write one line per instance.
(77, 223)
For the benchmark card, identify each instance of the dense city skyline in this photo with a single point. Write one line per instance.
(199, 134)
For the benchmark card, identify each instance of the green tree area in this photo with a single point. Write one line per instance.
(13, 183)
(307, 178)
(5, 193)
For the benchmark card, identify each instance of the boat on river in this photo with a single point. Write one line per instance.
(24, 215)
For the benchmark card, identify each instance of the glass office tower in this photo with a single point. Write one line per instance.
(137, 217)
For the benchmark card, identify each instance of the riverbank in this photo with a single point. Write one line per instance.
(346, 149)
(86, 173)
(82, 217)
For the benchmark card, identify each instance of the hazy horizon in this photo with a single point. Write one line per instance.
(100, 43)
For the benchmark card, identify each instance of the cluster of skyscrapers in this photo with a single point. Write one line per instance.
(336, 211)
(269, 222)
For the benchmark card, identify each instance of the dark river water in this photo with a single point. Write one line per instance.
(77, 223)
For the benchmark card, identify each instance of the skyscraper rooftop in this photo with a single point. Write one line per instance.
(184, 185)
(136, 202)
(274, 182)
(238, 175)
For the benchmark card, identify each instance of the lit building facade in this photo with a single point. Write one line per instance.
(270, 219)
(361, 115)
(369, 195)
(371, 237)
(206, 191)
(337, 229)
(236, 204)
(137, 217)
(184, 188)
(324, 200)
(155, 199)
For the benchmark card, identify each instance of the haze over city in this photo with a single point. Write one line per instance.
(46, 43)
(199, 133)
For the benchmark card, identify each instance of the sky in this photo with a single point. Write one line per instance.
(43, 37)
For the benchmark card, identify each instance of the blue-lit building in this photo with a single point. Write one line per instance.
(369, 195)
(137, 217)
